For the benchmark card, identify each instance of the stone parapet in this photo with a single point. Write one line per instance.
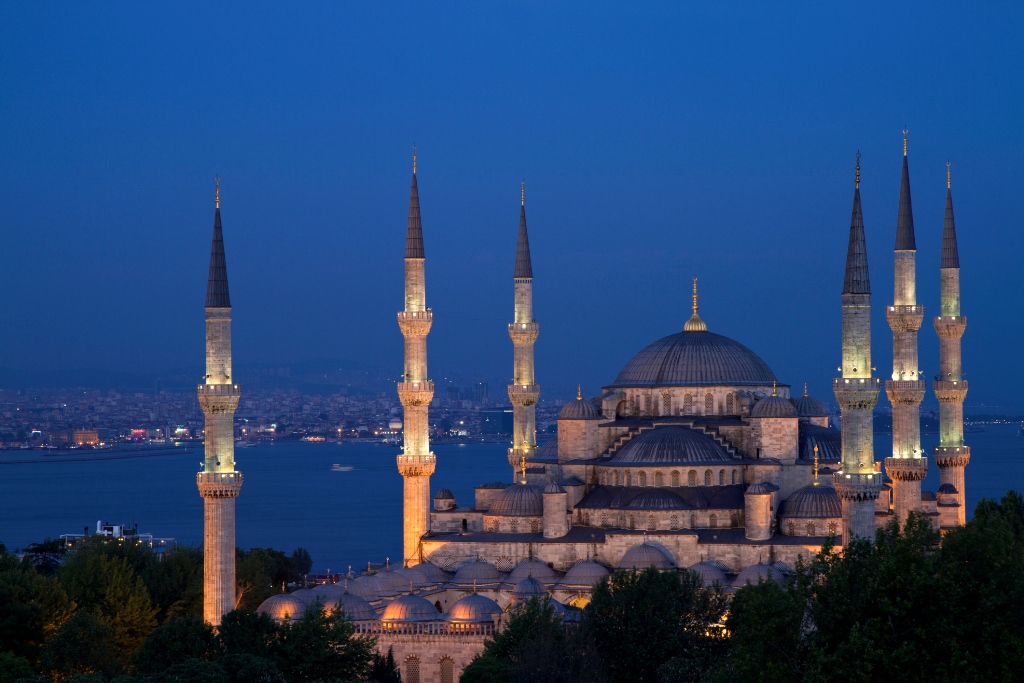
(415, 323)
(523, 333)
(523, 394)
(950, 392)
(951, 456)
(904, 318)
(905, 392)
(950, 326)
(858, 392)
(219, 484)
(416, 465)
(218, 398)
(415, 393)
(906, 469)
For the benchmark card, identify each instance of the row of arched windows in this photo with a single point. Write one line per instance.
(651, 523)
(811, 528)
(412, 669)
(710, 478)
(647, 404)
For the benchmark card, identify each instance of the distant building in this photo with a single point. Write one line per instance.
(496, 421)
(85, 437)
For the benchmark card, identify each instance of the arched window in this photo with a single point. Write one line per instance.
(447, 670)
(709, 404)
(465, 526)
(632, 522)
(721, 477)
(659, 479)
(650, 522)
(691, 478)
(437, 606)
(514, 526)
(730, 404)
(687, 404)
(734, 476)
(673, 522)
(734, 518)
(675, 478)
(535, 526)
(791, 528)
(831, 528)
(604, 519)
(707, 477)
(618, 478)
(412, 669)
(666, 404)
(643, 479)
(810, 528)
(693, 521)
(647, 404)
(713, 520)
(629, 478)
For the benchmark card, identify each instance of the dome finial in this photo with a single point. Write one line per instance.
(579, 392)
(949, 180)
(815, 464)
(695, 295)
(856, 175)
(522, 469)
(805, 388)
(414, 158)
(775, 389)
(695, 324)
(522, 193)
(904, 141)
(216, 192)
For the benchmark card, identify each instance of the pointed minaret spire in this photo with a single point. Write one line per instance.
(950, 253)
(857, 280)
(524, 266)
(217, 283)
(414, 231)
(905, 218)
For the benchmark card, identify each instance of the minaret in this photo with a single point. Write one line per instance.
(951, 455)
(907, 466)
(523, 392)
(856, 391)
(218, 483)
(416, 463)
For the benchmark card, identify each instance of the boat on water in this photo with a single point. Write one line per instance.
(341, 468)
(244, 444)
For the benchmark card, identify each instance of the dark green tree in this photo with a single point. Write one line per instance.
(13, 667)
(260, 573)
(46, 556)
(177, 640)
(192, 670)
(244, 632)
(302, 562)
(384, 669)
(251, 669)
(175, 584)
(84, 644)
(32, 607)
(323, 646)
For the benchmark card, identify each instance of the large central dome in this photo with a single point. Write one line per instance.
(695, 359)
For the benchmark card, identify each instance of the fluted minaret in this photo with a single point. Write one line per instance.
(951, 455)
(907, 466)
(856, 391)
(416, 463)
(523, 392)
(218, 483)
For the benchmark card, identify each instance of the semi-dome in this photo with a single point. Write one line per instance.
(773, 406)
(354, 607)
(534, 568)
(757, 573)
(657, 499)
(478, 571)
(580, 409)
(585, 573)
(473, 609)
(409, 608)
(829, 442)
(695, 359)
(670, 446)
(521, 500)
(282, 607)
(642, 556)
(812, 502)
(709, 573)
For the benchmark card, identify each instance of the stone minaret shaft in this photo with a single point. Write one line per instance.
(416, 463)
(951, 455)
(856, 391)
(907, 466)
(523, 392)
(218, 483)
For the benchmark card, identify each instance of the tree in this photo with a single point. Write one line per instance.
(251, 669)
(84, 644)
(302, 562)
(13, 667)
(178, 639)
(260, 573)
(32, 607)
(323, 646)
(192, 670)
(244, 632)
(175, 584)
(46, 556)
(384, 669)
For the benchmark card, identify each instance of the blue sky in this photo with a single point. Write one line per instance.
(658, 142)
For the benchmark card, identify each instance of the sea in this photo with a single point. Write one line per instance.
(291, 497)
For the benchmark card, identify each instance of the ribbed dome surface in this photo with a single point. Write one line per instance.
(534, 568)
(282, 607)
(393, 582)
(773, 406)
(479, 571)
(548, 450)
(329, 591)
(586, 573)
(642, 556)
(304, 594)
(368, 587)
(528, 588)
(415, 574)
(808, 406)
(433, 573)
(695, 359)
(657, 499)
(579, 409)
(472, 609)
(410, 608)
(812, 501)
(553, 487)
(355, 608)
(522, 500)
(829, 442)
(756, 573)
(709, 573)
(444, 494)
(669, 446)
(757, 490)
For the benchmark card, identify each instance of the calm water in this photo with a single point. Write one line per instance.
(291, 498)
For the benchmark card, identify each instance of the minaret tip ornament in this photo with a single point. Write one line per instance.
(579, 392)
(414, 158)
(695, 295)
(805, 389)
(856, 177)
(522, 194)
(695, 324)
(815, 464)
(905, 141)
(775, 390)
(216, 192)
(949, 181)
(522, 469)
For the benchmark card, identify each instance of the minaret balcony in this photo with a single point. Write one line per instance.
(857, 486)
(218, 398)
(219, 484)
(950, 392)
(950, 326)
(523, 394)
(906, 469)
(951, 456)
(415, 323)
(905, 392)
(416, 465)
(904, 318)
(416, 393)
(523, 333)
(856, 392)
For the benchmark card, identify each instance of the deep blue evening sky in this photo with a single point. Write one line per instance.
(656, 144)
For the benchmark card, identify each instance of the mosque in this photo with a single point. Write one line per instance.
(695, 456)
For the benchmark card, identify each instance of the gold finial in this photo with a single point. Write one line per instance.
(856, 177)
(414, 159)
(948, 176)
(522, 194)
(579, 392)
(216, 192)
(695, 324)
(775, 391)
(815, 464)
(695, 296)
(522, 468)
(904, 142)
(805, 388)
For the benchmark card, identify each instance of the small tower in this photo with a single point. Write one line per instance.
(416, 463)
(856, 391)
(908, 465)
(951, 455)
(523, 392)
(218, 482)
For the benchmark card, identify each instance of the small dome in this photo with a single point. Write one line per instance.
(670, 445)
(355, 608)
(759, 572)
(444, 494)
(829, 442)
(553, 488)
(709, 573)
(948, 488)
(642, 556)
(304, 594)
(585, 573)
(657, 499)
(758, 490)
(479, 571)
(393, 582)
(368, 587)
(812, 501)
(773, 406)
(282, 607)
(433, 573)
(415, 574)
(409, 608)
(329, 592)
(695, 358)
(528, 588)
(808, 406)
(579, 409)
(534, 568)
(520, 500)
(473, 609)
